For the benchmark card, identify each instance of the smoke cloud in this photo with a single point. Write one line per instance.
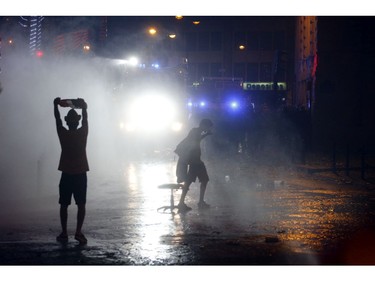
(30, 148)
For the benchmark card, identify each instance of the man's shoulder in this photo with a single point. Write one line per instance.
(83, 130)
(194, 131)
(61, 129)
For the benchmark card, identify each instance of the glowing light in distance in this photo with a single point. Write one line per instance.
(133, 61)
(151, 113)
(39, 54)
(234, 104)
(152, 30)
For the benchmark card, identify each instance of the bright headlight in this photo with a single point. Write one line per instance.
(151, 112)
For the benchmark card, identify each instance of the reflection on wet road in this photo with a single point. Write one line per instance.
(249, 217)
(252, 220)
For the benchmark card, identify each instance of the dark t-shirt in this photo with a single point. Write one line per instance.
(73, 159)
(189, 149)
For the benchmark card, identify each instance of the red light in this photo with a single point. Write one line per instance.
(39, 54)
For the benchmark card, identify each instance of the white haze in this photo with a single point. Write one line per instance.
(29, 144)
(30, 148)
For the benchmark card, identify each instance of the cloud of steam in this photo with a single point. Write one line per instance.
(30, 148)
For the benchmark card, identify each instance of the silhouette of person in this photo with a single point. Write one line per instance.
(190, 165)
(73, 166)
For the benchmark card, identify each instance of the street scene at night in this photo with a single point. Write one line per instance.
(187, 141)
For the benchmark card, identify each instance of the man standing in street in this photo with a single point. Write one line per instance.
(74, 166)
(190, 165)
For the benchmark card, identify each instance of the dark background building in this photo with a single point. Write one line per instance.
(344, 111)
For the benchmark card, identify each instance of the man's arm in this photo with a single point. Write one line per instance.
(205, 134)
(84, 113)
(57, 112)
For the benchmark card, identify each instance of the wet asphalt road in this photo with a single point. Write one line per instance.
(301, 219)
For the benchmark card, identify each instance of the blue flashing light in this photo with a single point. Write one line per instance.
(234, 104)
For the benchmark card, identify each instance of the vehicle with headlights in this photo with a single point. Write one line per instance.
(151, 112)
(149, 106)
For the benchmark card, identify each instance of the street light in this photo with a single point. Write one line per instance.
(86, 48)
(152, 31)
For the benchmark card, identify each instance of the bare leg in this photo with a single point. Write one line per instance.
(182, 207)
(63, 236)
(202, 191)
(185, 190)
(64, 219)
(80, 217)
(201, 203)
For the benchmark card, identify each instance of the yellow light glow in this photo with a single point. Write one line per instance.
(172, 36)
(196, 22)
(241, 47)
(152, 31)
(179, 17)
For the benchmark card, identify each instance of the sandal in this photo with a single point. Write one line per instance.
(182, 208)
(62, 238)
(80, 238)
(203, 205)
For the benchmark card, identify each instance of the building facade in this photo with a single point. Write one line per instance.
(344, 107)
(305, 61)
(255, 50)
